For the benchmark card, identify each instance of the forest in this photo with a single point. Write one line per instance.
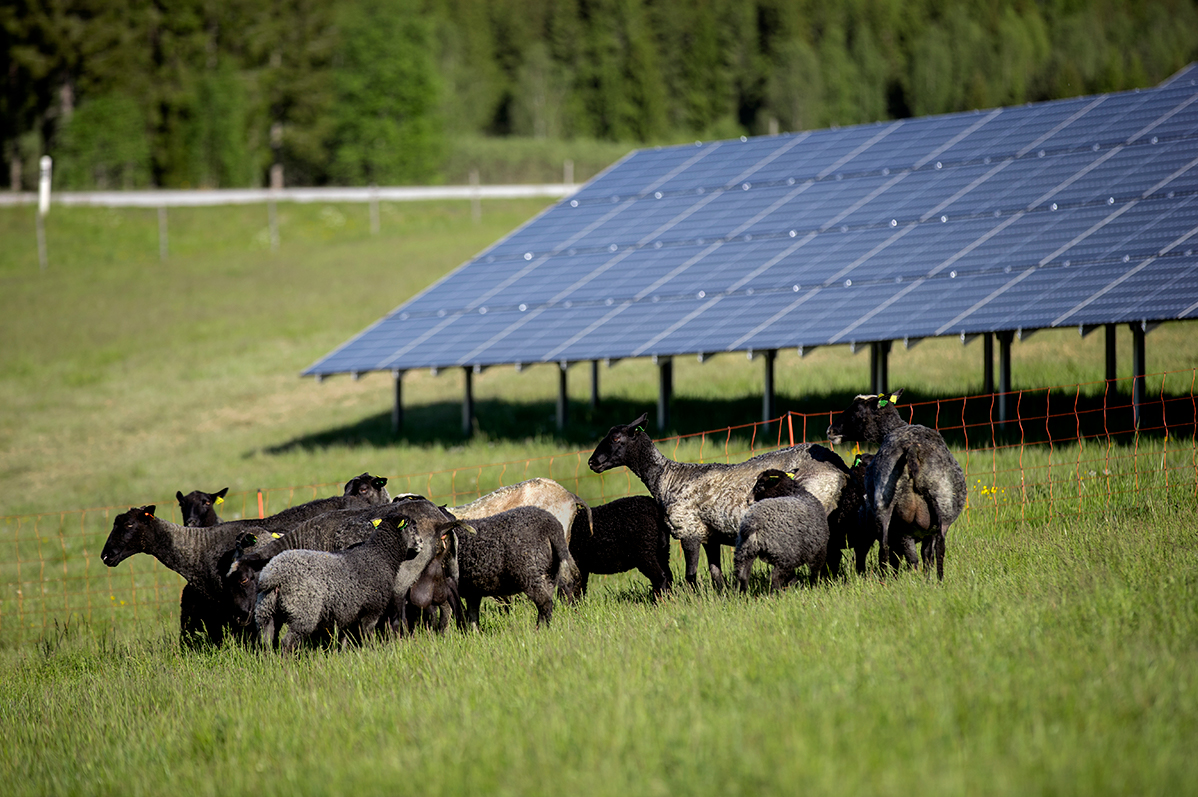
(212, 93)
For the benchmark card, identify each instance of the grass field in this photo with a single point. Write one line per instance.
(1060, 655)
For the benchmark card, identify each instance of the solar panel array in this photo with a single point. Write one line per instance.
(1064, 213)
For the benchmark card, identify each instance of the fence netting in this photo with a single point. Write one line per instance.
(1059, 451)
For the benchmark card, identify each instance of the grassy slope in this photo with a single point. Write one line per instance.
(1056, 658)
(123, 379)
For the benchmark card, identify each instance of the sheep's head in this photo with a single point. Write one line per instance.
(129, 535)
(868, 419)
(773, 483)
(372, 488)
(614, 450)
(241, 582)
(199, 508)
(404, 529)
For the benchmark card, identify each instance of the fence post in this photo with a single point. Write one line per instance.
(43, 207)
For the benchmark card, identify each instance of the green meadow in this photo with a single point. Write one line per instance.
(1059, 656)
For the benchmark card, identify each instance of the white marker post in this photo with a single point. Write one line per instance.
(43, 207)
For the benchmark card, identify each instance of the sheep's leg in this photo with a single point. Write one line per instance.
(657, 578)
(816, 570)
(780, 578)
(883, 518)
(831, 557)
(663, 562)
(907, 543)
(690, 554)
(583, 578)
(939, 538)
(713, 564)
(542, 596)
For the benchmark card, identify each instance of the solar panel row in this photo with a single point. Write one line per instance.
(1072, 212)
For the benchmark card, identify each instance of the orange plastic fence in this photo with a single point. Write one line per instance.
(1062, 451)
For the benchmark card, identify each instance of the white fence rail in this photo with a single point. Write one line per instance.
(249, 196)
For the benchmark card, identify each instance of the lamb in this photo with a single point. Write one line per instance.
(845, 524)
(198, 509)
(313, 591)
(435, 591)
(704, 503)
(628, 533)
(788, 532)
(914, 488)
(332, 531)
(200, 616)
(520, 550)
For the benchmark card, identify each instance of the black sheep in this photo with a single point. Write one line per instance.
(914, 487)
(626, 534)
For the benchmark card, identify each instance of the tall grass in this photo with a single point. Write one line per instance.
(1057, 657)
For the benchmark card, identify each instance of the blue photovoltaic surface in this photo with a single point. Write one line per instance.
(1075, 212)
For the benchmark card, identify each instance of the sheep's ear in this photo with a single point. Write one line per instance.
(179, 496)
(149, 510)
(856, 460)
(380, 482)
(894, 397)
(639, 423)
(467, 527)
(220, 496)
(402, 523)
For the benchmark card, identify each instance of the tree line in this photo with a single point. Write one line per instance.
(189, 93)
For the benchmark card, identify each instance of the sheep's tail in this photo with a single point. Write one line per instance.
(565, 571)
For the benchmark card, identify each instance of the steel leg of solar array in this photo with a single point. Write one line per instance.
(1004, 377)
(988, 363)
(1111, 370)
(1137, 370)
(397, 409)
(594, 384)
(468, 403)
(767, 398)
(562, 399)
(665, 390)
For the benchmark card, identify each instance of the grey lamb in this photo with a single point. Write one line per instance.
(705, 502)
(626, 534)
(520, 550)
(332, 531)
(788, 532)
(914, 487)
(313, 591)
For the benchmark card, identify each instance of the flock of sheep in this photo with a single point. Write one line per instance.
(346, 565)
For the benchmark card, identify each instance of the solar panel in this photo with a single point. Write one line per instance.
(1079, 211)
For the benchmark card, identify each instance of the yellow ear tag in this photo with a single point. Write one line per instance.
(376, 522)
(219, 501)
(402, 523)
(275, 535)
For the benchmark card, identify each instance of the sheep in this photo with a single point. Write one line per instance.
(788, 532)
(564, 505)
(200, 616)
(628, 533)
(313, 591)
(201, 556)
(704, 503)
(845, 524)
(332, 531)
(914, 487)
(520, 550)
(198, 509)
(435, 590)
